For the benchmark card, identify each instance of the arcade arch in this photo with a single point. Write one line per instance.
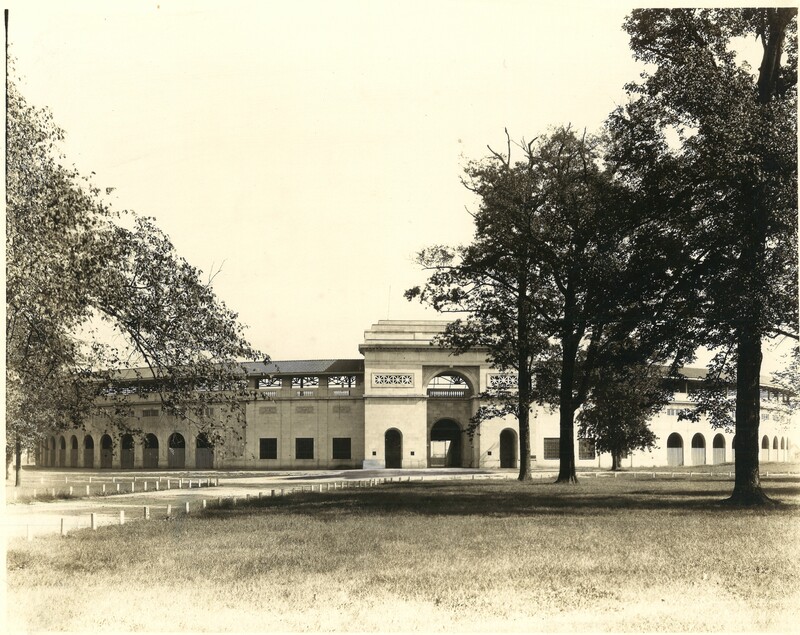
(393, 448)
(508, 448)
(674, 450)
(176, 458)
(445, 444)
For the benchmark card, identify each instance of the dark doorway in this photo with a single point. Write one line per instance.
(674, 450)
(106, 451)
(508, 448)
(204, 453)
(62, 453)
(73, 451)
(393, 448)
(150, 452)
(126, 454)
(176, 458)
(445, 448)
(88, 452)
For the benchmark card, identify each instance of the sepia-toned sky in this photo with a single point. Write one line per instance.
(304, 151)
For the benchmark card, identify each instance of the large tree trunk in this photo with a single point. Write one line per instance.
(523, 379)
(747, 486)
(614, 461)
(566, 412)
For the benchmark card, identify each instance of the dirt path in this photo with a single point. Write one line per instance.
(30, 516)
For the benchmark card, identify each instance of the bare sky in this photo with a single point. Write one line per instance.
(309, 149)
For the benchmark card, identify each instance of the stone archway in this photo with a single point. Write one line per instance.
(508, 448)
(204, 452)
(73, 451)
(126, 452)
(445, 444)
(88, 452)
(150, 451)
(106, 452)
(674, 450)
(719, 449)
(176, 458)
(393, 448)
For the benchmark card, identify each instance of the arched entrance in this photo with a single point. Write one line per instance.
(106, 451)
(150, 452)
(783, 450)
(764, 448)
(674, 450)
(126, 454)
(719, 449)
(204, 452)
(62, 453)
(73, 451)
(88, 452)
(176, 457)
(698, 449)
(508, 448)
(393, 448)
(445, 447)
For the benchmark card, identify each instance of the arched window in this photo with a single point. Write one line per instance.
(719, 449)
(176, 456)
(674, 450)
(698, 449)
(150, 451)
(88, 452)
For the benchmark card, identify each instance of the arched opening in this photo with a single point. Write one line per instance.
(764, 448)
(73, 451)
(88, 452)
(775, 445)
(150, 451)
(719, 449)
(204, 452)
(508, 448)
(126, 452)
(783, 450)
(393, 448)
(176, 457)
(106, 451)
(674, 450)
(698, 449)
(445, 447)
(448, 385)
(62, 453)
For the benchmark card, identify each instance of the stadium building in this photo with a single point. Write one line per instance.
(404, 404)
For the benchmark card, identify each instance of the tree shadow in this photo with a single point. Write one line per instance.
(508, 500)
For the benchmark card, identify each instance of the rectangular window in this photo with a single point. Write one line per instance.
(304, 448)
(268, 448)
(270, 382)
(586, 449)
(341, 448)
(551, 446)
(152, 412)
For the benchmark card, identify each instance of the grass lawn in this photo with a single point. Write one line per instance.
(607, 554)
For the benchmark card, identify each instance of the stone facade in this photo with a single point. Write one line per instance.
(407, 403)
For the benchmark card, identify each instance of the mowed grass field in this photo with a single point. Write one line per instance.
(617, 555)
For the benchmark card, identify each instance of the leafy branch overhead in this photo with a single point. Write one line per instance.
(92, 293)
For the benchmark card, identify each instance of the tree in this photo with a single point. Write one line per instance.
(621, 403)
(555, 278)
(72, 264)
(736, 192)
(494, 281)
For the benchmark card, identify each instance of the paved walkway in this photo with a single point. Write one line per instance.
(30, 516)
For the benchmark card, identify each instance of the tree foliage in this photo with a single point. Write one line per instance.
(561, 272)
(91, 293)
(727, 181)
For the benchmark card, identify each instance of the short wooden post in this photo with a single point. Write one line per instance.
(90, 479)
(34, 492)
(117, 488)
(204, 503)
(281, 491)
(87, 490)
(169, 511)
(113, 479)
(70, 490)
(180, 483)
(272, 492)
(259, 494)
(133, 486)
(233, 501)
(63, 529)
(146, 512)
(121, 516)
(187, 507)
(54, 491)
(156, 485)
(247, 497)
(168, 484)
(145, 486)
(654, 474)
(93, 521)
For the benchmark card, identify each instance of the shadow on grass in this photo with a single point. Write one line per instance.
(508, 499)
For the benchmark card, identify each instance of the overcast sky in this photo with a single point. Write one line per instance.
(310, 149)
